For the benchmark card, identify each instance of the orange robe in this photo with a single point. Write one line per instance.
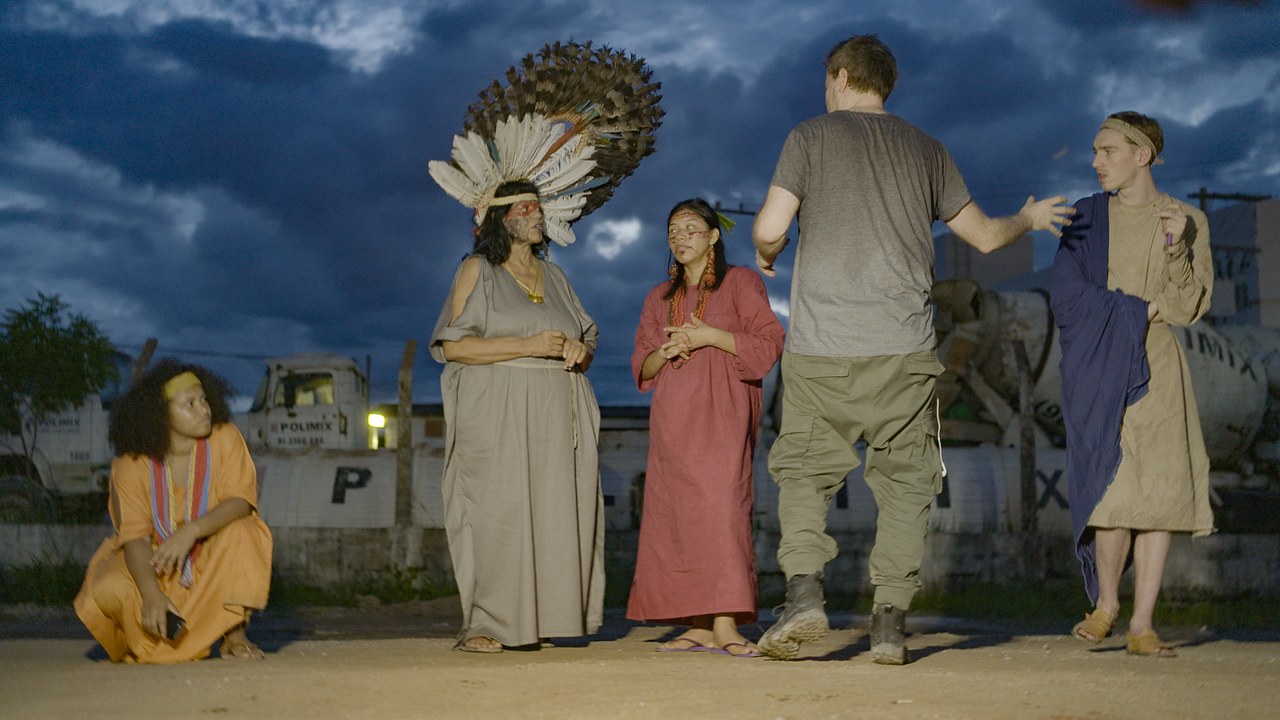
(232, 571)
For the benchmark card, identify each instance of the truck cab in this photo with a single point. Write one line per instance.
(309, 400)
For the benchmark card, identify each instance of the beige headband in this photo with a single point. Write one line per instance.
(1135, 136)
(499, 202)
(513, 199)
(179, 383)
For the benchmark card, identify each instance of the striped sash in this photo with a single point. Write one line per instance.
(162, 501)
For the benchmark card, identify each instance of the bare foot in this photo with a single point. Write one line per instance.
(741, 649)
(691, 639)
(237, 646)
(734, 643)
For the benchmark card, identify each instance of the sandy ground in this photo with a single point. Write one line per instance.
(396, 662)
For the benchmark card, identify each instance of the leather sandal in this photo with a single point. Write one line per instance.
(465, 645)
(1094, 627)
(1148, 644)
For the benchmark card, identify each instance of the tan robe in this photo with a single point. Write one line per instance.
(232, 570)
(523, 509)
(1163, 479)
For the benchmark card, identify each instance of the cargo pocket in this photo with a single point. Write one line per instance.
(929, 451)
(808, 384)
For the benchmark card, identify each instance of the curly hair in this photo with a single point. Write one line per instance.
(703, 210)
(493, 242)
(140, 417)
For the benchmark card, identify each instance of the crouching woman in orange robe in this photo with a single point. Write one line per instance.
(188, 538)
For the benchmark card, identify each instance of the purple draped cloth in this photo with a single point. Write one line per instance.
(1104, 367)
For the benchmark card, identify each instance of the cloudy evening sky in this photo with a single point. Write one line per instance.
(243, 179)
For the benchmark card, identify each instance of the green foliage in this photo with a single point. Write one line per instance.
(42, 583)
(1058, 604)
(50, 359)
(390, 586)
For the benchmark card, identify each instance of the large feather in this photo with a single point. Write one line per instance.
(455, 183)
(607, 96)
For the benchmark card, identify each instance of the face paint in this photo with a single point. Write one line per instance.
(524, 221)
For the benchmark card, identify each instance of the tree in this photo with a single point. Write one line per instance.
(50, 360)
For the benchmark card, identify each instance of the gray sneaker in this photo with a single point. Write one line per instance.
(888, 634)
(803, 620)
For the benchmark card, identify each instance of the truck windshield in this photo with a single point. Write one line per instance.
(304, 390)
(260, 397)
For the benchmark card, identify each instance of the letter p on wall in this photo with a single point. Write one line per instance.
(348, 478)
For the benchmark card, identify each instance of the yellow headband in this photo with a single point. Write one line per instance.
(179, 383)
(1134, 135)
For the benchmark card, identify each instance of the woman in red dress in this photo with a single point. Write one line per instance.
(705, 342)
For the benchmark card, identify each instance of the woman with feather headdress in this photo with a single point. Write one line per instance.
(523, 510)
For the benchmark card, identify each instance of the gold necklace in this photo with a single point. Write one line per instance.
(533, 296)
(191, 487)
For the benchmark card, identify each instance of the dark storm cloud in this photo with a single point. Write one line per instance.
(215, 49)
(244, 192)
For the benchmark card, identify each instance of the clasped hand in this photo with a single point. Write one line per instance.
(684, 339)
(555, 344)
(173, 552)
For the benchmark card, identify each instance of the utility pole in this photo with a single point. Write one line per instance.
(740, 211)
(1204, 196)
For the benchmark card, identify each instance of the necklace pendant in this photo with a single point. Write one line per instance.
(535, 298)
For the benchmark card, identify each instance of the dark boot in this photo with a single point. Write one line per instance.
(803, 620)
(888, 634)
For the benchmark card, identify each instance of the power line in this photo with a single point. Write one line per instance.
(1204, 196)
(204, 353)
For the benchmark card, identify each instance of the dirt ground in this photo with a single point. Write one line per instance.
(396, 662)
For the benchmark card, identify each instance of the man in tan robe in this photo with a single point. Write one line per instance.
(1157, 253)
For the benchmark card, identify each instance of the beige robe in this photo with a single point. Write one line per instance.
(523, 508)
(1163, 479)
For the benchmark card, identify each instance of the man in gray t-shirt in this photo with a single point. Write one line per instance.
(860, 362)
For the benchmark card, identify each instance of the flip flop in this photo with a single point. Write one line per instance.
(694, 646)
(748, 654)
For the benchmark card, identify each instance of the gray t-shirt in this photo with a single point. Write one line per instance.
(870, 187)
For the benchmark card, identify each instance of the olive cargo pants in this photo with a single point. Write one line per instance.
(829, 404)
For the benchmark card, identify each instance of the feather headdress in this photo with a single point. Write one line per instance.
(572, 120)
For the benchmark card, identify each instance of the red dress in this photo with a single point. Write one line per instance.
(696, 555)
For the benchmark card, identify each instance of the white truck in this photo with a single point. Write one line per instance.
(309, 400)
(306, 400)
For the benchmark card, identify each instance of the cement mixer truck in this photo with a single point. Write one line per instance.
(1235, 370)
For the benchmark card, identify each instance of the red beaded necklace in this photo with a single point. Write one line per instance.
(704, 291)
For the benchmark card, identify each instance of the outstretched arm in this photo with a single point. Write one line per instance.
(987, 233)
(770, 230)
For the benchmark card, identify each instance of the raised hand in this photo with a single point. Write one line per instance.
(1049, 214)
(1173, 219)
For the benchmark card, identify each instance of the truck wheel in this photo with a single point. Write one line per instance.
(22, 501)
